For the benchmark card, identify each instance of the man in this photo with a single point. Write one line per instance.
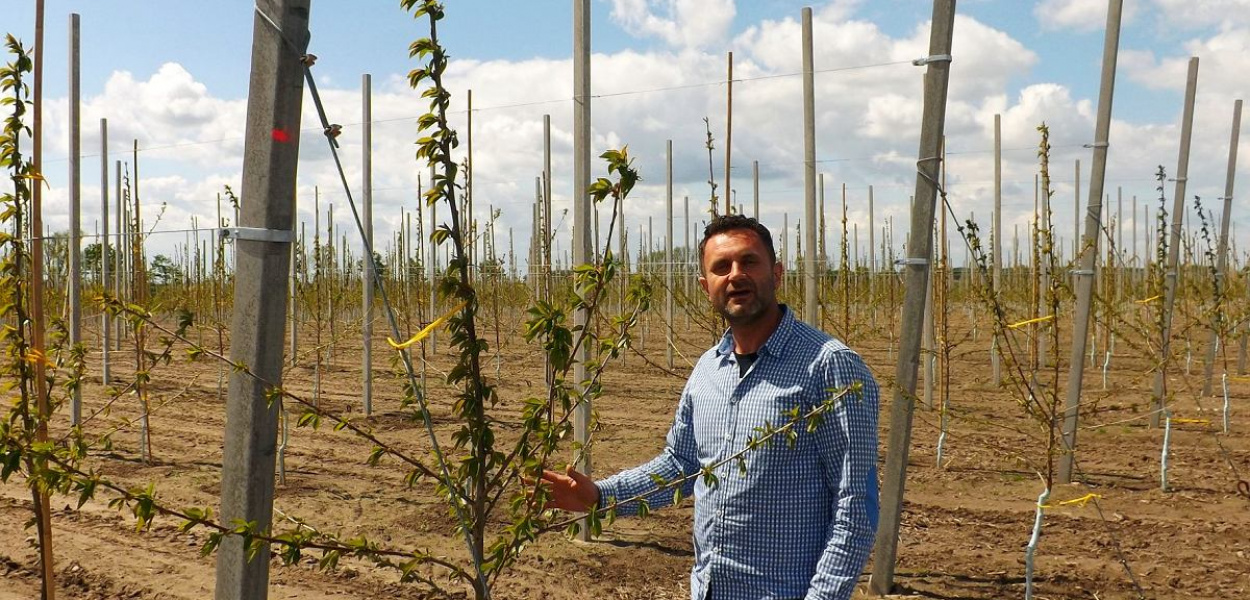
(800, 521)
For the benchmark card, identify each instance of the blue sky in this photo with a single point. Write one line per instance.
(1032, 61)
(140, 35)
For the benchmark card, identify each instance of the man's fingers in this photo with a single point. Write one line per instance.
(578, 477)
(553, 476)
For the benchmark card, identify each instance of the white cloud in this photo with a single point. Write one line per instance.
(868, 125)
(1191, 13)
(680, 23)
(1224, 52)
(1080, 15)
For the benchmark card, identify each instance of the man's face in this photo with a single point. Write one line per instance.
(739, 277)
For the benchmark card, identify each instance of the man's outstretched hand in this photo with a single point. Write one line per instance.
(570, 490)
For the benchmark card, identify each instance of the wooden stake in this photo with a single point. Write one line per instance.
(43, 510)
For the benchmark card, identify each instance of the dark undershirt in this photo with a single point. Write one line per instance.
(744, 362)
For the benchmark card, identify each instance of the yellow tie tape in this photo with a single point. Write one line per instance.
(1030, 322)
(1077, 502)
(1198, 421)
(1149, 300)
(424, 333)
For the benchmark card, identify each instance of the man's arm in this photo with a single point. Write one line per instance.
(574, 491)
(847, 443)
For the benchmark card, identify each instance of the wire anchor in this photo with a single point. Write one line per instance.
(924, 60)
(257, 234)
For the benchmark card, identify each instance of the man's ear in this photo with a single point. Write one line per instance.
(779, 271)
(703, 284)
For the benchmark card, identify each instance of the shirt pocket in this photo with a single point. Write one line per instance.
(766, 419)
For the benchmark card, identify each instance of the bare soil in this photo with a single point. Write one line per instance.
(966, 521)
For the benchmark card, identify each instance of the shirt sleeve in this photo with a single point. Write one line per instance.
(678, 459)
(847, 443)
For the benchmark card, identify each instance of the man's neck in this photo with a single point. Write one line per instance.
(750, 337)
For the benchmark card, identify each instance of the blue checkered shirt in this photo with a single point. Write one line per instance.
(800, 522)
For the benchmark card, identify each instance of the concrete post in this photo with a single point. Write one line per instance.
(1159, 394)
(581, 210)
(810, 300)
(369, 270)
(269, 166)
(1089, 246)
(1221, 267)
(75, 208)
(916, 276)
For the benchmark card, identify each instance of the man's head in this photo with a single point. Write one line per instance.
(723, 223)
(739, 269)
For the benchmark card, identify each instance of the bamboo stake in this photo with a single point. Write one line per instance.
(43, 510)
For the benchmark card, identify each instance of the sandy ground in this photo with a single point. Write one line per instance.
(966, 521)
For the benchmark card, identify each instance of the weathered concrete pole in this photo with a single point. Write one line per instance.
(106, 321)
(75, 208)
(916, 277)
(271, 152)
(1089, 246)
(668, 256)
(544, 212)
(996, 243)
(755, 184)
(810, 302)
(1159, 394)
(369, 267)
(1221, 267)
(581, 210)
(729, 133)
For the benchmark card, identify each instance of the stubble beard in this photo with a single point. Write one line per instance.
(746, 313)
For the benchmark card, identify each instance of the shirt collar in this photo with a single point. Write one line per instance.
(776, 343)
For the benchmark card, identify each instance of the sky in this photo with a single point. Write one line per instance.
(172, 76)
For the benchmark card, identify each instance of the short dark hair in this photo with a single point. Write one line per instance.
(726, 223)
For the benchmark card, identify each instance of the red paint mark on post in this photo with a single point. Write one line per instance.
(281, 136)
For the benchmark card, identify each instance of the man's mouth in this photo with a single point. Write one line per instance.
(739, 293)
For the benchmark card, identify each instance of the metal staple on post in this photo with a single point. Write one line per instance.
(257, 234)
(925, 60)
